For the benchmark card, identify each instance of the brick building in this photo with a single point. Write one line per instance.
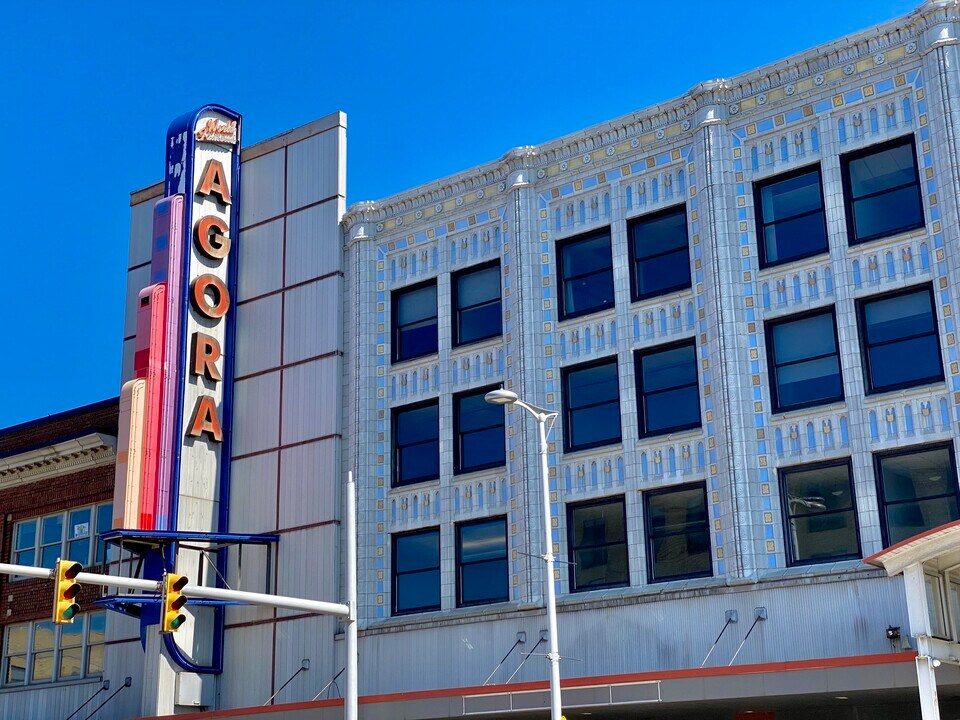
(56, 492)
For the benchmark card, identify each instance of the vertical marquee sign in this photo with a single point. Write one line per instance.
(203, 165)
(177, 409)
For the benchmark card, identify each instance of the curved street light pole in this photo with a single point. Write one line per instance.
(542, 416)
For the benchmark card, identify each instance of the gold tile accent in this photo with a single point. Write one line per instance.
(807, 110)
(716, 524)
(431, 233)
(900, 80)
(602, 178)
(675, 154)
(719, 553)
(837, 100)
(768, 517)
(753, 356)
(624, 169)
(778, 120)
(765, 488)
(554, 193)
(771, 546)
(747, 275)
(760, 433)
(751, 130)
(763, 461)
(578, 185)
(868, 91)
(651, 162)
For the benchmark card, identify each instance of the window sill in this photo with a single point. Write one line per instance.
(885, 396)
(613, 447)
(481, 474)
(414, 486)
(90, 680)
(667, 297)
(914, 234)
(571, 321)
(670, 437)
(414, 362)
(469, 348)
(794, 265)
(839, 406)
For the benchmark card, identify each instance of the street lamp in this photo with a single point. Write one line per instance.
(506, 397)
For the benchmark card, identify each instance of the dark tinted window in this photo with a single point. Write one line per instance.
(415, 322)
(918, 490)
(804, 362)
(678, 533)
(819, 509)
(882, 191)
(482, 562)
(900, 343)
(476, 300)
(416, 571)
(591, 404)
(479, 432)
(668, 396)
(586, 275)
(659, 254)
(416, 444)
(598, 545)
(790, 219)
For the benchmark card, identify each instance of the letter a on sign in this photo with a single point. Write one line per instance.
(214, 182)
(205, 420)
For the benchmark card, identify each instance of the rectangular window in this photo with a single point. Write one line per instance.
(804, 361)
(70, 535)
(791, 223)
(821, 523)
(882, 190)
(894, 328)
(591, 405)
(478, 432)
(476, 301)
(918, 491)
(598, 544)
(678, 533)
(416, 443)
(585, 273)
(668, 393)
(659, 254)
(25, 543)
(482, 562)
(416, 571)
(41, 652)
(415, 321)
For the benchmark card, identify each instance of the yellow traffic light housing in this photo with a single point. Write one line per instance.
(172, 599)
(66, 589)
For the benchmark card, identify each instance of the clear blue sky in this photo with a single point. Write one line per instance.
(87, 91)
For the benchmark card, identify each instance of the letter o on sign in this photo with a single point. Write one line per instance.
(201, 291)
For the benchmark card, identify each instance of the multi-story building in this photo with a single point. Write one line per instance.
(740, 302)
(56, 493)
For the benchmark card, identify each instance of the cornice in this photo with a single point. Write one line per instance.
(81, 453)
(705, 103)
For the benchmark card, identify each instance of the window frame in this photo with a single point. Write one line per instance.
(910, 450)
(455, 302)
(565, 373)
(761, 226)
(460, 565)
(395, 295)
(773, 366)
(560, 247)
(632, 223)
(572, 548)
(92, 556)
(395, 412)
(785, 515)
(458, 468)
(649, 537)
(861, 305)
(638, 356)
(849, 201)
(86, 648)
(394, 576)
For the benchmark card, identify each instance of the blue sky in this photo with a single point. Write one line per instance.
(429, 89)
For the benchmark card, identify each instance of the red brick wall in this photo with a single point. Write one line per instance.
(32, 599)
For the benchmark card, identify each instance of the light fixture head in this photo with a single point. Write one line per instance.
(501, 397)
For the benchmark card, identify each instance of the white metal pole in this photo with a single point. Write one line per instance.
(351, 697)
(554, 655)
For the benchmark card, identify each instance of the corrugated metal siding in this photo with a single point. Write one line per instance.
(261, 188)
(260, 264)
(313, 242)
(311, 400)
(244, 683)
(258, 335)
(307, 638)
(313, 169)
(256, 413)
(311, 319)
(308, 566)
(806, 620)
(309, 483)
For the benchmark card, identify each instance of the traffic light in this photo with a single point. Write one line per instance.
(66, 589)
(172, 599)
